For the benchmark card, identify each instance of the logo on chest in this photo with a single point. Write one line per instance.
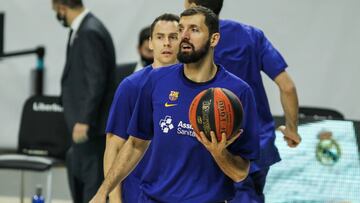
(182, 128)
(173, 97)
(166, 124)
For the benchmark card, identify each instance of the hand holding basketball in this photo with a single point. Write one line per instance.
(214, 146)
(218, 110)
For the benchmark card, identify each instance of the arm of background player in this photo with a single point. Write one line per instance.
(127, 159)
(134, 148)
(118, 120)
(290, 105)
(113, 145)
(273, 64)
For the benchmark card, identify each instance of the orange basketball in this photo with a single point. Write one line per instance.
(218, 110)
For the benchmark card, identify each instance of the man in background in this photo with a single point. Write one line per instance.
(245, 51)
(164, 44)
(145, 54)
(87, 86)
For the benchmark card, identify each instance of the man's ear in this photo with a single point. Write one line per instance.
(214, 40)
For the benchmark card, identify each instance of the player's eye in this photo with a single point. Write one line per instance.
(195, 30)
(174, 37)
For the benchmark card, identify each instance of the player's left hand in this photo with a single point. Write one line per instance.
(213, 146)
(292, 138)
(79, 134)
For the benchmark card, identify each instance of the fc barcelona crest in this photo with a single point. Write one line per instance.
(174, 95)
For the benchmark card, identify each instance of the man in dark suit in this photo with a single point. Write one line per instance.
(87, 87)
(145, 54)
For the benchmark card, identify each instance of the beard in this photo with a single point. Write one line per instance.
(193, 56)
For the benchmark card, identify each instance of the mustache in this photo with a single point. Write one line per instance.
(186, 42)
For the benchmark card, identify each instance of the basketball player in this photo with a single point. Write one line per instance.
(184, 167)
(164, 41)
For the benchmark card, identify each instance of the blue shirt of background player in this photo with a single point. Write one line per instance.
(180, 168)
(245, 52)
(119, 117)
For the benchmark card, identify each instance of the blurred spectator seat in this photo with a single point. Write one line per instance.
(43, 140)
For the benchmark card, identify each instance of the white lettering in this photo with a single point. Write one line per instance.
(181, 131)
(185, 125)
(42, 107)
(185, 129)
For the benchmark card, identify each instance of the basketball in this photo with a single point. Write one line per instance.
(218, 110)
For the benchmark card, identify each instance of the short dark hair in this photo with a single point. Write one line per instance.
(70, 3)
(164, 17)
(211, 19)
(214, 5)
(144, 35)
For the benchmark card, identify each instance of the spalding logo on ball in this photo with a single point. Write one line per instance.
(218, 110)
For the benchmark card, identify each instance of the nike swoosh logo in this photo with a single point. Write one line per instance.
(169, 105)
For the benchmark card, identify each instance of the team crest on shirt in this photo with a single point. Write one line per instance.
(174, 95)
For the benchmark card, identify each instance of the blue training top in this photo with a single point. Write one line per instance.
(119, 117)
(245, 51)
(180, 168)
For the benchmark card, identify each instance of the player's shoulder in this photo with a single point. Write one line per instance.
(158, 73)
(134, 80)
(250, 29)
(91, 26)
(140, 74)
(235, 82)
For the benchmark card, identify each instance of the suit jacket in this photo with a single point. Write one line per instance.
(88, 80)
(124, 70)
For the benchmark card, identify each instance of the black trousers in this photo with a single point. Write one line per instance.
(84, 164)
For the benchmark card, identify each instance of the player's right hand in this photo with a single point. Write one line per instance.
(293, 139)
